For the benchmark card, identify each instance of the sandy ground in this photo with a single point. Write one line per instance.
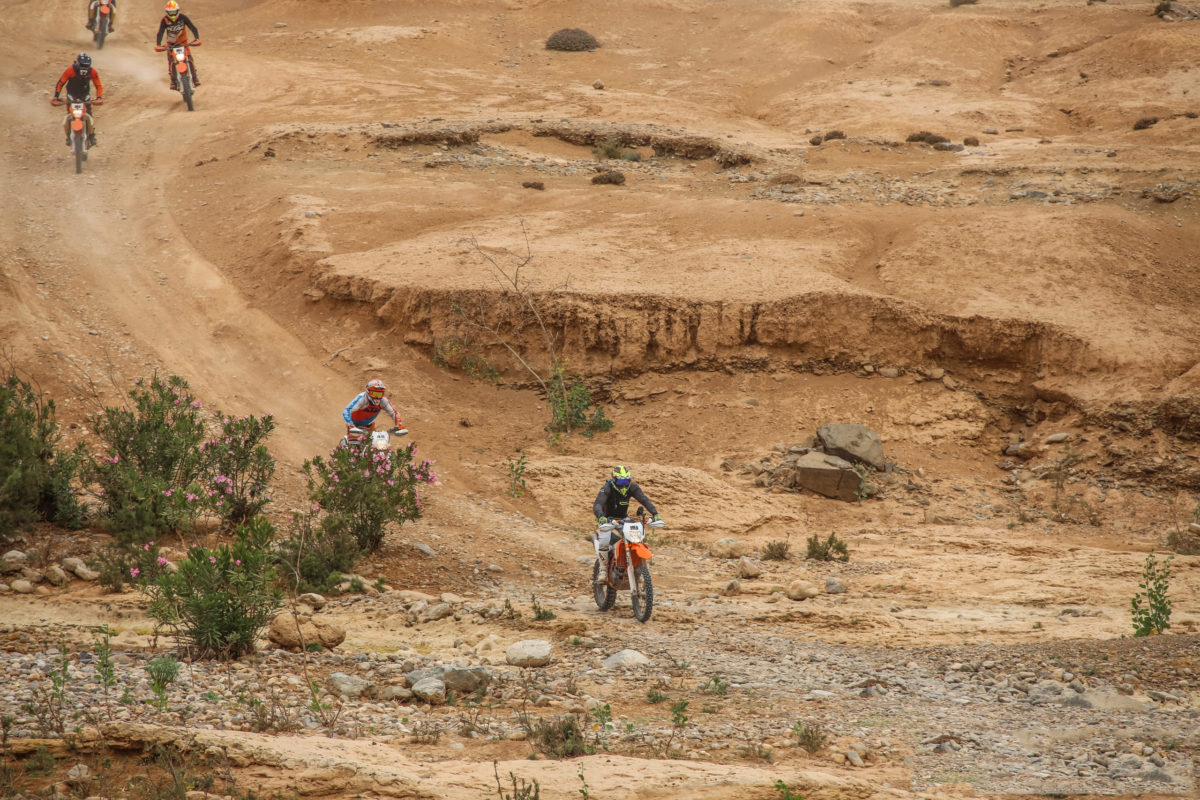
(352, 177)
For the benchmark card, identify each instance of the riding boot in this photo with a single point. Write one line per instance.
(195, 75)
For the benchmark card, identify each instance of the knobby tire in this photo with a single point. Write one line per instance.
(79, 154)
(602, 593)
(642, 606)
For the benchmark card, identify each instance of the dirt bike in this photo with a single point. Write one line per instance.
(364, 439)
(182, 64)
(627, 565)
(102, 21)
(78, 110)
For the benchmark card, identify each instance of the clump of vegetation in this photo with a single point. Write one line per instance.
(831, 549)
(571, 405)
(971, 141)
(715, 685)
(521, 788)
(815, 140)
(559, 737)
(834, 134)
(1163, 8)
(609, 176)
(1151, 608)
(456, 353)
(1144, 123)
(571, 40)
(316, 556)
(364, 491)
(1184, 543)
(957, 3)
(776, 550)
(35, 475)
(516, 475)
(809, 735)
(926, 137)
(220, 599)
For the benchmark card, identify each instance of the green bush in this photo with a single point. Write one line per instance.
(127, 563)
(832, 549)
(610, 176)
(1151, 608)
(221, 598)
(571, 406)
(238, 468)
(571, 40)
(149, 476)
(364, 491)
(35, 476)
(317, 553)
(776, 550)
(608, 147)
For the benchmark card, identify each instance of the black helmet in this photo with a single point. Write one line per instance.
(83, 64)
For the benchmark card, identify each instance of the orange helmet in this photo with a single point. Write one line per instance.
(172, 10)
(375, 389)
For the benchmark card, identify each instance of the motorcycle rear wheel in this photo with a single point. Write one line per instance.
(643, 593)
(602, 593)
(101, 31)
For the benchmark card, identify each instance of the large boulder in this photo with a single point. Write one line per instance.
(465, 680)
(802, 590)
(431, 690)
(294, 632)
(827, 475)
(350, 686)
(626, 659)
(853, 442)
(728, 547)
(12, 561)
(529, 653)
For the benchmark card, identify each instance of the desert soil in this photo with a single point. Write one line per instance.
(341, 203)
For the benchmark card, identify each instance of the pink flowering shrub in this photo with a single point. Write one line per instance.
(362, 492)
(220, 599)
(238, 467)
(151, 451)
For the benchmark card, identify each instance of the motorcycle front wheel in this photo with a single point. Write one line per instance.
(602, 593)
(643, 593)
(80, 155)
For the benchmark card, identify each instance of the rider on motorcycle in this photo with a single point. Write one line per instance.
(173, 25)
(76, 79)
(363, 409)
(112, 15)
(612, 503)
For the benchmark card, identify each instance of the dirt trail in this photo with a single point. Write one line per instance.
(322, 218)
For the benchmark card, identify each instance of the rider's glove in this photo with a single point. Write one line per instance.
(601, 520)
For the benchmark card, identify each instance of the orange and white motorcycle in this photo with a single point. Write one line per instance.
(181, 62)
(624, 564)
(101, 15)
(77, 114)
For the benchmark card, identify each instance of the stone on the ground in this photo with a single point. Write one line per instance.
(626, 659)
(22, 586)
(748, 568)
(71, 563)
(802, 590)
(351, 686)
(728, 547)
(293, 632)
(465, 680)
(853, 442)
(12, 561)
(827, 475)
(57, 576)
(86, 573)
(436, 612)
(313, 600)
(834, 586)
(529, 653)
(431, 690)
(734, 587)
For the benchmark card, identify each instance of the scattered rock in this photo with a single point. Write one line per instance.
(734, 587)
(626, 659)
(313, 600)
(826, 475)
(12, 561)
(431, 690)
(853, 442)
(529, 653)
(22, 586)
(294, 631)
(728, 547)
(748, 568)
(802, 590)
(56, 576)
(350, 686)
(597, 84)
(834, 586)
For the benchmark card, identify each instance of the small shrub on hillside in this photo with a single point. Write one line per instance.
(35, 476)
(957, 3)
(927, 137)
(559, 737)
(317, 553)
(1183, 543)
(834, 135)
(238, 468)
(1151, 608)
(571, 40)
(1144, 123)
(831, 549)
(362, 492)
(776, 550)
(152, 463)
(608, 147)
(571, 405)
(221, 598)
(809, 735)
(126, 563)
(609, 176)
(455, 353)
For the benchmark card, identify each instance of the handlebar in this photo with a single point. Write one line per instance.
(159, 48)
